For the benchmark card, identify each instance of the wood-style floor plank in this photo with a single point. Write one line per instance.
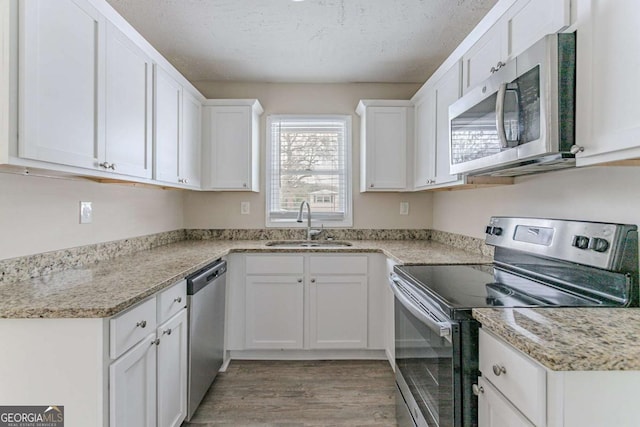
(346, 393)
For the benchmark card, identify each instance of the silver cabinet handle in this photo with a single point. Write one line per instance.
(105, 165)
(477, 390)
(156, 341)
(142, 324)
(112, 166)
(178, 300)
(498, 370)
(181, 181)
(499, 65)
(575, 149)
(186, 181)
(167, 331)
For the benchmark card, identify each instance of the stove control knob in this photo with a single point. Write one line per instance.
(580, 242)
(497, 231)
(599, 245)
(488, 230)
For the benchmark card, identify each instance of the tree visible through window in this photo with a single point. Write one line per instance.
(309, 161)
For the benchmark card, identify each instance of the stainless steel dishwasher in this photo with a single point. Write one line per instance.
(205, 306)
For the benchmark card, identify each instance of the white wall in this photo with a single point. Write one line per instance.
(222, 210)
(608, 194)
(42, 214)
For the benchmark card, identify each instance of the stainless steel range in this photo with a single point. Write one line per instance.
(538, 263)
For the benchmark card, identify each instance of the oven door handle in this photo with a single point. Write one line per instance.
(442, 328)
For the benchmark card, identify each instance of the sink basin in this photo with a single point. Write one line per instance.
(308, 244)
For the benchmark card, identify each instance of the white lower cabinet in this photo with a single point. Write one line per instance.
(515, 390)
(274, 312)
(494, 410)
(295, 302)
(172, 371)
(148, 381)
(132, 386)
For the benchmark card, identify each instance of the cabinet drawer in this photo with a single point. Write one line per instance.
(130, 327)
(520, 379)
(172, 300)
(338, 265)
(272, 264)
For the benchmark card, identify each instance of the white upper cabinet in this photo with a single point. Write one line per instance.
(168, 126)
(386, 130)
(608, 116)
(231, 145)
(178, 119)
(191, 142)
(432, 132)
(128, 93)
(61, 79)
(424, 160)
(524, 23)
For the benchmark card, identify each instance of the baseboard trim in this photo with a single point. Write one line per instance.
(308, 355)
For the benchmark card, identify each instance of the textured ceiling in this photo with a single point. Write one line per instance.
(309, 41)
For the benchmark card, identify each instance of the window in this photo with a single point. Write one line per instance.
(309, 159)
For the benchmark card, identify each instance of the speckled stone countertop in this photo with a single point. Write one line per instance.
(107, 287)
(570, 339)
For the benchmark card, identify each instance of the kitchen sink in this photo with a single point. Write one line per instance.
(308, 244)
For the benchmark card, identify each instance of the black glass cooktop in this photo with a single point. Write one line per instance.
(458, 288)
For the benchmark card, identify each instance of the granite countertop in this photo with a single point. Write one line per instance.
(105, 288)
(570, 339)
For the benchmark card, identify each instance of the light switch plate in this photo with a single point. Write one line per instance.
(86, 213)
(404, 208)
(245, 208)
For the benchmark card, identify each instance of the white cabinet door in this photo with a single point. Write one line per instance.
(274, 312)
(496, 411)
(230, 141)
(338, 312)
(447, 92)
(128, 106)
(384, 142)
(172, 371)
(425, 141)
(608, 118)
(167, 123)
(61, 82)
(528, 21)
(191, 140)
(484, 56)
(132, 386)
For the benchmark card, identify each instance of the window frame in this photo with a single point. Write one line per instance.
(347, 221)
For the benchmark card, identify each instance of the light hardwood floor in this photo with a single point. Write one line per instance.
(300, 394)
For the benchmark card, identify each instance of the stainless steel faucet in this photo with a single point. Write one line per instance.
(310, 232)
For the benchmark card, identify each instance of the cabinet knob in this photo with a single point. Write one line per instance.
(181, 181)
(299, 280)
(244, 185)
(156, 341)
(498, 370)
(575, 149)
(142, 324)
(112, 166)
(178, 300)
(313, 280)
(371, 185)
(105, 165)
(477, 390)
(186, 181)
(167, 331)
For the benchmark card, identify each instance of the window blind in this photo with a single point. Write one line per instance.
(308, 161)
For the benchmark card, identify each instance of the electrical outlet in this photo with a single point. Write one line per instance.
(245, 208)
(86, 213)
(404, 208)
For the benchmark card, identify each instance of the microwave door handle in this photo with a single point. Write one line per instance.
(443, 329)
(502, 92)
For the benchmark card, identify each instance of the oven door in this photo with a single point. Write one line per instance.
(427, 367)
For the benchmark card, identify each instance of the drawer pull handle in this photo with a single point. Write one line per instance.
(498, 370)
(477, 390)
(178, 300)
(167, 331)
(142, 324)
(156, 341)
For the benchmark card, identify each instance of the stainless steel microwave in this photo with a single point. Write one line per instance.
(522, 119)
